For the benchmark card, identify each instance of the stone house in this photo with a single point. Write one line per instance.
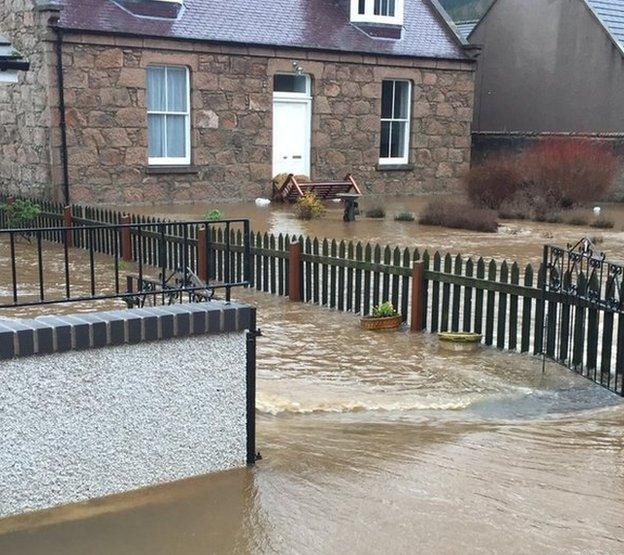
(548, 68)
(131, 101)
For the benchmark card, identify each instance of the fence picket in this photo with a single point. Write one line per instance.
(456, 294)
(435, 297)
(527, 307)
(513, 309)
(490, 299)
(502, 308)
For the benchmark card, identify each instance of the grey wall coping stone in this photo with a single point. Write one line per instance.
(50, 334)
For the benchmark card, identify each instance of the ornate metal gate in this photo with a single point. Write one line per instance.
(582, 312)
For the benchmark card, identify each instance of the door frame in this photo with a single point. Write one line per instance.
(296, 98)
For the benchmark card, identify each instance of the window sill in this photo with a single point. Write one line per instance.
(161, 170)
(394, 167)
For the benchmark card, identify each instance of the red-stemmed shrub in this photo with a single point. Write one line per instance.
(551, 175)
(569, 171)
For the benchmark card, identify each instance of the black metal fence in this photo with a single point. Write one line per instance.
(144, 262)
(527, 310)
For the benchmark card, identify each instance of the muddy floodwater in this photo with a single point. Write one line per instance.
(521, 241)
(371, 443)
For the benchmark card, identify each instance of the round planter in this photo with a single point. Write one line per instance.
(389, 323)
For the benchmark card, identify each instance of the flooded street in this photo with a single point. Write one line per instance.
(381, 443)
(520, 241)
(371, 442)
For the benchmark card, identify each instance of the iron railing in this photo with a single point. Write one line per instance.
(160, 260)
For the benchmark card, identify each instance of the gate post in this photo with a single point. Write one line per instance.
(294, 272)
(68, 222)
(202, 255)
(126, 240)
(418, 296)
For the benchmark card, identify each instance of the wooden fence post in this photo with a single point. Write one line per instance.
(294, 272)
(126, 240)
(68, 222)
(202, 255)
(418, 296)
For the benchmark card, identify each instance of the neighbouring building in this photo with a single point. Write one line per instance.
(548, 68)
(179, 100)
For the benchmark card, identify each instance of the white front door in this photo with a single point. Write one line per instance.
(292, 125)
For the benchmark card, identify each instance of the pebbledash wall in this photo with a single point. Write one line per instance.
(104, 403)
(232, 103)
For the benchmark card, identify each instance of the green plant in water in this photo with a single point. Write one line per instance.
(213, 215)
(404, 217)
(309, 207)
(384, 310)
(376, 212)
(20, 213)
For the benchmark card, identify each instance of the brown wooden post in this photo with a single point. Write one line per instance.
(294, 272)
(68, 222)
(126, 240)
(202, 255)
(418, 296)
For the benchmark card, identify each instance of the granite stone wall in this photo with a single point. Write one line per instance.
(27, 109)
(231, 91)
(104, 403)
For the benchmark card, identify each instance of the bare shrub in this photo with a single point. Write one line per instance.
(602, 223)
(404, 217)
(553, 175)
(495, 181)
(569, 172)
(458, 215)
(376, 212)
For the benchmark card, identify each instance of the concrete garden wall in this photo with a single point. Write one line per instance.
(165, 398)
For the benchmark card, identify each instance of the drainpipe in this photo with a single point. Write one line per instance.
(60, 81)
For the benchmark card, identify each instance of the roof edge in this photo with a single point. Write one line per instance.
(77, 31)
(611, 36)
(448, 22)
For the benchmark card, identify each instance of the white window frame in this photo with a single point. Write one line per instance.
(369, 13)
(174, 161)
(408, 120)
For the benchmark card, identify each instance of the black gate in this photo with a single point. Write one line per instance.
(583, 312)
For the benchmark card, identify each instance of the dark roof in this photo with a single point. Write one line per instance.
(611, 14)
(312, 24)
(10, 58)
(466, 27)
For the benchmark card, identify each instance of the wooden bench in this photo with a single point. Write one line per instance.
(292, 189)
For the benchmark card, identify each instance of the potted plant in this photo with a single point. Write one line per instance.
(384, 317)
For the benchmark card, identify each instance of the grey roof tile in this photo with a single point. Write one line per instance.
(611, 13)
(314, 24)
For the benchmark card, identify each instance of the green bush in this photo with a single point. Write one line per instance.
(404, 217)
(309, 207)
(376, 212)
(384, 310)
(213, 215)
(20, 213)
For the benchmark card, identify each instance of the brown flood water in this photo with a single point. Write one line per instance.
(376, 443)
(521, 241)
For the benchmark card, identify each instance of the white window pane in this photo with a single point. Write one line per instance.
(401, 98)
(176, 136)
(156, 136)
(385, 139)
(156, 91)
(176, 89)
(397, 141)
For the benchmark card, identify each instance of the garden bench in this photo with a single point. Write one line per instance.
(292, 189)
(144, 287)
